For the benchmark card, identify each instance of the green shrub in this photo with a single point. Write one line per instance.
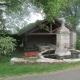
(78, 43)
(7, 45)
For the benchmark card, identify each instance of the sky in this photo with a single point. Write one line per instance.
(34, 17)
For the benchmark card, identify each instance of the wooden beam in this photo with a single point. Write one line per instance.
(25, 41)
(46, 30)
(34, 30)
(46, 23)
(50, 27)
(56, 24)
(42, 34)
(55, 29)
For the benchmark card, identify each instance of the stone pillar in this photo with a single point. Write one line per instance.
(72, 40)
(63, 42)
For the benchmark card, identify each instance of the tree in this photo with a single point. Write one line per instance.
(7, 6)
(49, 7)
(70, 10)
(11, 3)
(15, 13)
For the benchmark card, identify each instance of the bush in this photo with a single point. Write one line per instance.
(7, 45)
(78, 43)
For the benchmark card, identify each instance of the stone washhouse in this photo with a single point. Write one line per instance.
(44, 35)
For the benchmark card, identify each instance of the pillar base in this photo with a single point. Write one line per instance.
(63, 55)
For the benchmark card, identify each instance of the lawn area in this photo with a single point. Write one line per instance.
(7, 70)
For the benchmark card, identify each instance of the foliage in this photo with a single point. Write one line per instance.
(44, 26)
(78, 42)
(6, 7)
(70, 10)
(7, 45)
(49, 7)
(13, 5)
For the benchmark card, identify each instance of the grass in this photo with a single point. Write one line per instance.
(7, 70)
